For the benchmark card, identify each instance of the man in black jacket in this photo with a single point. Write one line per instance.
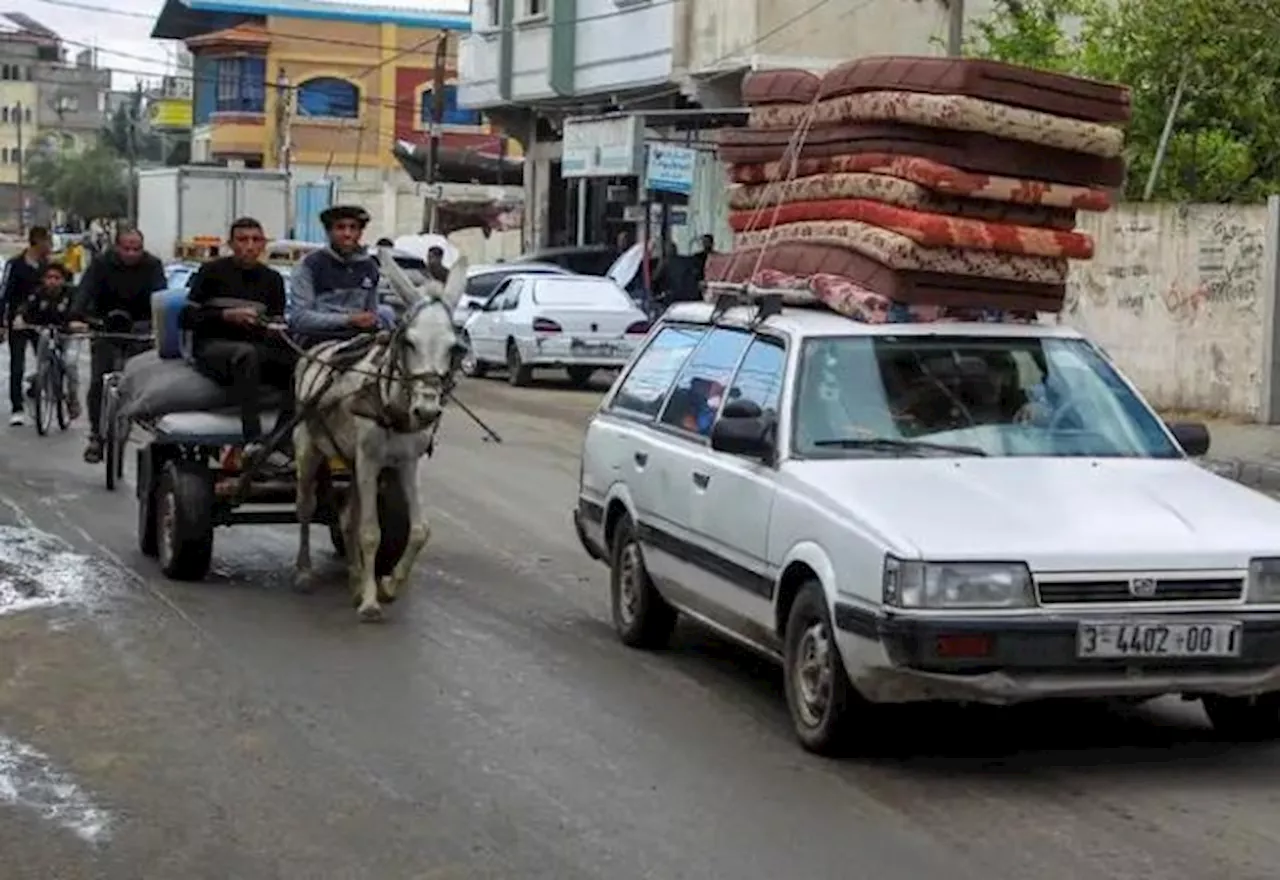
(120, 281)
(22, 279)
(229, 304)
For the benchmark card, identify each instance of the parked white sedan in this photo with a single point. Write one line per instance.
(578, 323)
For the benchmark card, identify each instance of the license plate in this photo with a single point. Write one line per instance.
(599, 349)
(1158, 639)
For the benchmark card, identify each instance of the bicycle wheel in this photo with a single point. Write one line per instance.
(109, 437)
(43, 399)
(60, 398)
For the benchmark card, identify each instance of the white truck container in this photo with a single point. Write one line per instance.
(179, 204)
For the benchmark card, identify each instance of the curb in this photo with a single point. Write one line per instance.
(1255, 474)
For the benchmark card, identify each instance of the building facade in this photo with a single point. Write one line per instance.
(532, 64)
(327, 91)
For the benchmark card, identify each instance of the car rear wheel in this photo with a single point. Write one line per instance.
(518, 373)
(820, 697)
(641, 617)
(1245, 719)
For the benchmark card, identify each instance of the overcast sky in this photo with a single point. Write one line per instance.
(121, 35)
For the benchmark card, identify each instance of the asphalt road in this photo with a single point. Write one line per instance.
(494, 728)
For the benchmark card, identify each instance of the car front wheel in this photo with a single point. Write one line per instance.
(822, 701)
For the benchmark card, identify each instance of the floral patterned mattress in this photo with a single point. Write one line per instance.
(969, 151)
(915, 288)
(897, 251)
(847, 177)
(928, 230)
(947, 112)
(1010, 84)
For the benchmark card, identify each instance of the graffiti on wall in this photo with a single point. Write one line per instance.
(1199, 259)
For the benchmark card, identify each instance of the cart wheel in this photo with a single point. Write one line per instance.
(44, 402)
(393, 520)
(148, 539)
(184, 521)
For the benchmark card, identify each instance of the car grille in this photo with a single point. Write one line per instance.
(1167, 590)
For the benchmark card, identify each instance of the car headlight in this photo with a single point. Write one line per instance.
(911, 584)
(1264, 581)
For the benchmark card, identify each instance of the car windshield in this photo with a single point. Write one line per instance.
(576, 294)
(955, 395)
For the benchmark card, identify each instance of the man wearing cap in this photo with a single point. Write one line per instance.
(335, 289)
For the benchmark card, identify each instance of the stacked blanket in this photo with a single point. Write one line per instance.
(925, 183)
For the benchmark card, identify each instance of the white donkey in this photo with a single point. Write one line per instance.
(381, 412)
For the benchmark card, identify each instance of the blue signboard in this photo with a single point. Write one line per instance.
(670, 169)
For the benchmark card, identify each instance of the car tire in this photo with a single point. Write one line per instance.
(821, 699)
(472, 367)
(1245, 719)
(641, 617)
(580, 377)
(518, 373)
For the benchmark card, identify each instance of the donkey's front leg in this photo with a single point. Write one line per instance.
(307, 460)
(366, 479)
(419, 529)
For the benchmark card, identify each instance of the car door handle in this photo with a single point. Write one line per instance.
(642, 458)
(701, 480)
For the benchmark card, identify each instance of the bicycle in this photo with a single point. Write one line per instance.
(115, 428)
(50, 385)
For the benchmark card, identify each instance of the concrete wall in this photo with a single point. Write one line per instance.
(1181, 297)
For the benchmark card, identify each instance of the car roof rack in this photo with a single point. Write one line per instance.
(727, 295)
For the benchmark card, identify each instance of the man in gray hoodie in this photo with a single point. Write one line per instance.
(335, 289)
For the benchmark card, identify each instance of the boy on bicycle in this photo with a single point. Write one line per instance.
(49, 305)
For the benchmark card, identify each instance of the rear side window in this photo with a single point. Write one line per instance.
(646, 386)
(703, 381)
(759, 378)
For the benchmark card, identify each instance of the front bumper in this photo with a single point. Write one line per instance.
(899, 658)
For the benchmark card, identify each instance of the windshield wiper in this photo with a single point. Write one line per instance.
(889, 443)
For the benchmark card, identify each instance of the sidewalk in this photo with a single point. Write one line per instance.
(1249, 454)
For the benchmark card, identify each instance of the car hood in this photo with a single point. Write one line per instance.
(1056, 514)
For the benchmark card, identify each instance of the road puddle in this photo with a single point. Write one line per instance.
(37, 570)
(29, 780)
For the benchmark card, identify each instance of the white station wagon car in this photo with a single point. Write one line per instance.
(579, 323)
(914, 512)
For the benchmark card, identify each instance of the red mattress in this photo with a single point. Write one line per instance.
(785, 86)
(1025, 87)
(909, 287)
(926, 229)
(968, 151)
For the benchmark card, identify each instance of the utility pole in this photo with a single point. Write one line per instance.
(22, 183)
(131, 153)
(438, 86)
(284, 145)
(955, 28)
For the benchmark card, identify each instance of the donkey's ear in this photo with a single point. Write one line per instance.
(456, 283)
(400, 282)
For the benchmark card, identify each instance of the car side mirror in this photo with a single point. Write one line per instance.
(474, 306)
(743, 429)
(1193, 437)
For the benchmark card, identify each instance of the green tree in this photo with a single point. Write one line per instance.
(1226, 137)
(90, 185)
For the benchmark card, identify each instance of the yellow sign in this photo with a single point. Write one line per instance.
(170, 113)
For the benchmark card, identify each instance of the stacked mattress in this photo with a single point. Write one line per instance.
(919, 186)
